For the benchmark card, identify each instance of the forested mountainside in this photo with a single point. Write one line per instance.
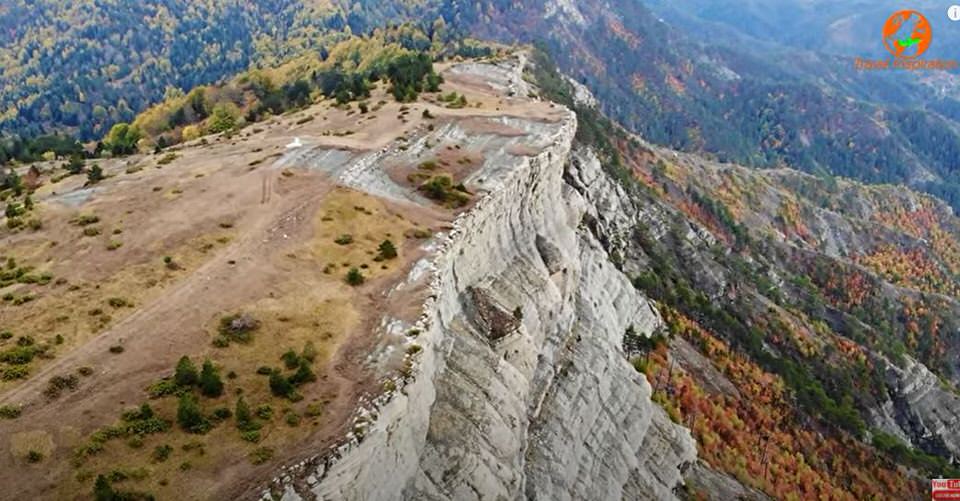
(838, 28)
(796, 311)
(81, 67)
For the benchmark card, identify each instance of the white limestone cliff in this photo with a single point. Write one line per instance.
(551, 411)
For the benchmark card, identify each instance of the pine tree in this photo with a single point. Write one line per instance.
(186, 373)
(290, 359)
(146, 412)
(279, 385)
(388, 250)
(354, 277)
(189, 415)
(102, 491)
(94, 175)
(303, 375)
(244, 417)
(210, 383)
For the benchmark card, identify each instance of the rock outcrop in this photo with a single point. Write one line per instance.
(921, 410)
(551, 411)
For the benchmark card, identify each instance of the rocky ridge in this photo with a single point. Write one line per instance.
(553, 410)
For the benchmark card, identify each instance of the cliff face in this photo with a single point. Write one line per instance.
(774, 292)
(544, 408)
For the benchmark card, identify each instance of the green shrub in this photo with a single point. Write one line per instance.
(210, 383)
(18, 355)
(387, 250)
(34, 456)
(354, 277)
(314, 410)
(457, 102)
(161, 453)
(280, 386)
(143, 421)
(344, 240)
(95, 174)
(221, 414)
(135, 442)
(265, 412)
(57, 384)
(86, 220)
(165, 387)
(290, 359)
(245, 420)
(189, 416)
(303, 375)
(252, 436)
(292, 419)
(440, 188)
(14, 372)
(9, 412)
(261, 455)
(103, 491)
(186, 373)
(167, 159)
(118, 302)
(24, 299)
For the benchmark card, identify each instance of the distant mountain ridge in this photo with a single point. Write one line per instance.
(766, 108)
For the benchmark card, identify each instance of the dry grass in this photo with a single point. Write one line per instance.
(78, 311)
(368, 222)
(38, 440)
(315, 307)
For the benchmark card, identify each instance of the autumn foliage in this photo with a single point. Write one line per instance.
(758, 437)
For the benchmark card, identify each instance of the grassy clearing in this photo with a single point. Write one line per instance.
(74, 312)
(367, 223)
(174, 458)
